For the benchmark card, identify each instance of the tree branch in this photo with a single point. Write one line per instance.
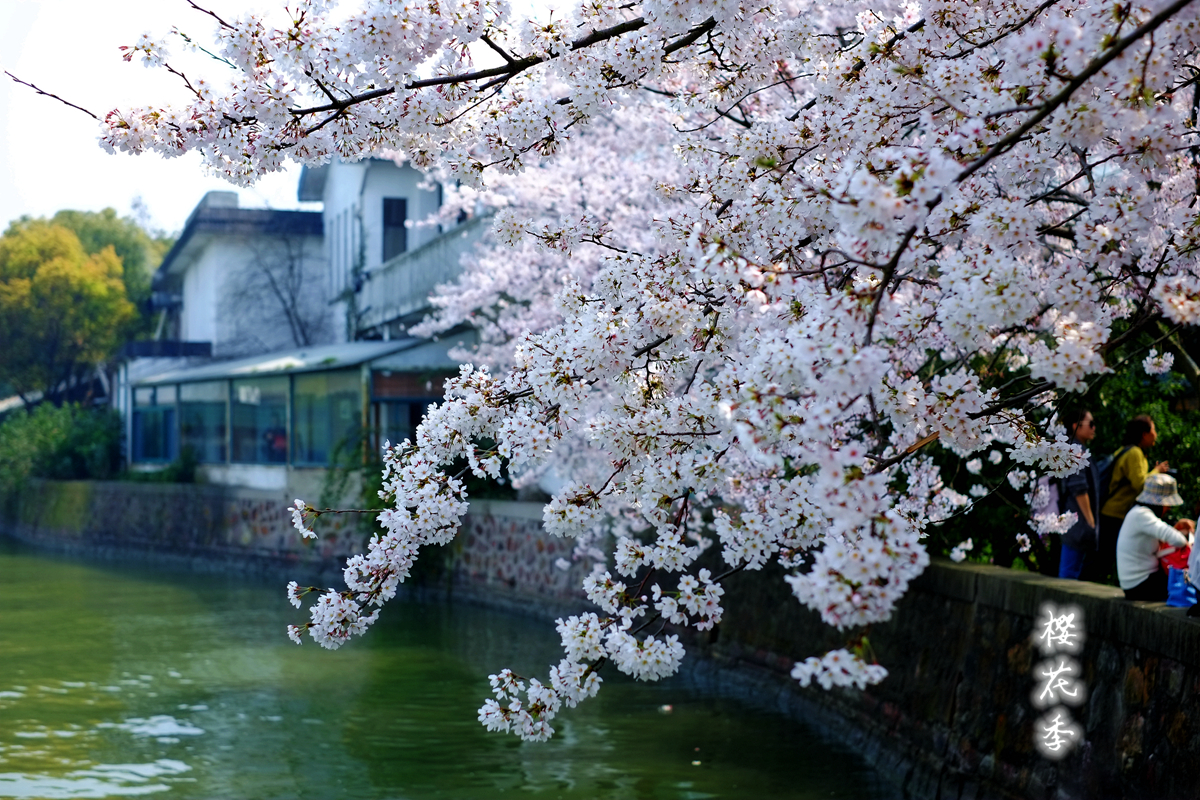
(889, 270)
(641, 351)
(1048, 108)
(513, 67)
(1015, 400)
(487, 40)
(202, 10)
(50, 94)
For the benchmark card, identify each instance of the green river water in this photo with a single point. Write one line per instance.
(120, 682)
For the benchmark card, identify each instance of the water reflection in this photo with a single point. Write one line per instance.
(121, 682)
(104, 780)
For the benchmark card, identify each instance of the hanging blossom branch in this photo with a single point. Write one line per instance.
(744, 338)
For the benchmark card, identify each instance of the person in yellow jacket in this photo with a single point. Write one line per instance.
(1128, 478)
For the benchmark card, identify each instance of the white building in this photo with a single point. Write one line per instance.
(382, 268)
(246, 280)
(268, 409)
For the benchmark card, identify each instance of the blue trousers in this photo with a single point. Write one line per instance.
(1070, 564)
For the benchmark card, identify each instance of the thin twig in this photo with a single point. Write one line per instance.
(51, 94)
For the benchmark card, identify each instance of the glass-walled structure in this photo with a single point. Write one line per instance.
(259, 420)
(327, 417)
(399, 401)
(316, 407)
(304, 420)
(202, 420)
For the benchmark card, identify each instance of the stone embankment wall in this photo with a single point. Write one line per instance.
(954, 716)
(501, 552)
(209, 527)
(952, 720)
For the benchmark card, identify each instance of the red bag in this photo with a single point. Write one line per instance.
(1174, 557)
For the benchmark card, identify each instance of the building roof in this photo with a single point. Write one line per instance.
(218, 215)
(307, 359)
(311, 188)
(430, 356)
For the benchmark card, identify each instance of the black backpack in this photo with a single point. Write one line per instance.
(1104, 468)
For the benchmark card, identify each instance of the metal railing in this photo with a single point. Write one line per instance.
(399, 288)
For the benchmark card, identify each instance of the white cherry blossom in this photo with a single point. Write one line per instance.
(1154, 364)
(749, 260)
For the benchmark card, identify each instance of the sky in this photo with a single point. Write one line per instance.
(49, 156)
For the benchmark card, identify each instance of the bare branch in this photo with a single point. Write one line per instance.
(212, 14)
(488, 41)
(52, 95)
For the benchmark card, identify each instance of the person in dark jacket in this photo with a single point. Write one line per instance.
(1082, 491)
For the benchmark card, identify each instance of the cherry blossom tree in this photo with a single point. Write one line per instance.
(559, 220)
(879, 225)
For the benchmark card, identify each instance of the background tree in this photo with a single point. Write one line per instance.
(139, 250)
(61, 310)
(63, 443)
(279, 290)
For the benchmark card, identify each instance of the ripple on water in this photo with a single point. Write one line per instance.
(392, 716)
(158, 726)
(101, 780)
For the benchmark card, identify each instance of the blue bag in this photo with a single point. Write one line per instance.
(1180, 593)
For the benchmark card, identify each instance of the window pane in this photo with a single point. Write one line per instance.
(395, 234)
(400, 419)
(327, 415)
(205, 392)
(202, 419)
(154, 433)
(166, 395)
(143, 396)
(259, 417)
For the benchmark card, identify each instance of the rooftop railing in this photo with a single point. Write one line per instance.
(399, 288)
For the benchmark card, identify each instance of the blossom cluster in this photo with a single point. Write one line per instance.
(838, 668)
(300, 513)
(749, 260)
(960, 550)
(1154, 364)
